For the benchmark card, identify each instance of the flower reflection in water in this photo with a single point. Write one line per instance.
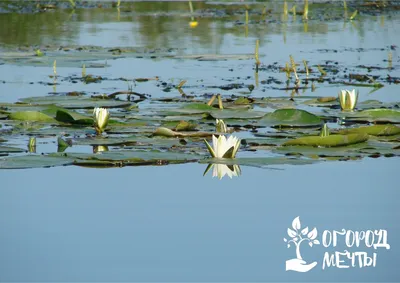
(99, 148)
(220, 170)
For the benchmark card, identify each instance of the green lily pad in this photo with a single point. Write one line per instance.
(129, 158)
(198, 106)
(185, 126)
(260, 162)
(8, 149)
(290, 118)
(33, 161)
(375, 115)
(31, 116)
(375, 130)
(328, 141)
(76, 102)
(242, 100)
(165, 132)
(73, 118)
(236, 114)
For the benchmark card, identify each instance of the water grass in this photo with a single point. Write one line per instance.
(55, 68)
(212, 99)
(180, 85)
(322, 71)
(32, 145)
(306, 68)
(305, 13)
(285, 8)
(293, 65)
(352, 17)
(72, 3)
(256, 55)
(220, 105)
(83, 70)
(293, 10)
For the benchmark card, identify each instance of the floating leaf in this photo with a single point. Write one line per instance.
(198, 106)
(284, 239)
(31, 116)
(242, 100)
(185, 126)
(76, 102)
(236, 114)
(165, 132)
(375, 130)
(9, 149)
(375, 115)
(290, 118)
(260, 162)
(328, 141)
(310, 243)
(316, 242)
(33, 161)
(73, 118)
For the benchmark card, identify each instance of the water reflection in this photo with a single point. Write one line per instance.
(158, 24)
(100, 148)
(221, 170)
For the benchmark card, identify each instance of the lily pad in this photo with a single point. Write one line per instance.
(375, 130)
(31, 116)
(328, 141)
(130, 158)
(33, 161)
(8, 149)
(76, 102)
(260, 162)
(73, 118)
(290, 118)
(375, 115)
(185, 126)
(236, 114)
(165, 132)
(198, 106)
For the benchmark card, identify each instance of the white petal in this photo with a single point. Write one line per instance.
(215, 145)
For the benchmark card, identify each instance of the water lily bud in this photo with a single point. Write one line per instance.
(100, 116)
(223, 147)
(348, 99)
(220, 126)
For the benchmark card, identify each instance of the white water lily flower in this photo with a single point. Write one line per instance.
(100, 116)
(220, 170)
(223, 147)
(220, 126)
(348, 99)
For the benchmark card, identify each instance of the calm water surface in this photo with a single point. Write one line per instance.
(170, 223)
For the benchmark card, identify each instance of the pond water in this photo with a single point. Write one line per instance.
(171, 223)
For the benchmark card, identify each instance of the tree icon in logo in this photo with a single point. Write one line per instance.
(298, 236)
